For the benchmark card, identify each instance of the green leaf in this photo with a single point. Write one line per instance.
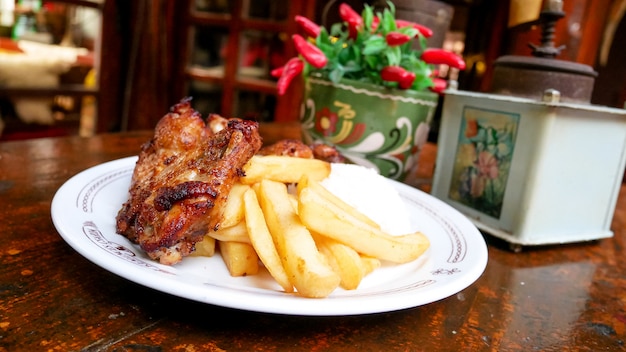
(408, 30)
(323, 37)
(423, 42)
(388, 22)
(345, 56)
(374, 45)
(306, 70)
(368, 16)
(352, 66)
(392, 8)
(422, 83)
(393, 56)
(371, 61)
(324, 42)
(336, 75)
(336, 30)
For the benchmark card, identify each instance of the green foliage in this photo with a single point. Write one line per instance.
(362, 58)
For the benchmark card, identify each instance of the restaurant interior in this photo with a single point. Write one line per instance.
(509, 223)
(81, 67)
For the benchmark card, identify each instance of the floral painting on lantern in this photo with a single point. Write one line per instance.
(483, 159)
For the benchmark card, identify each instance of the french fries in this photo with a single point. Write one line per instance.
(283, 169)
(305, 266)
(262, 240)
(369, 264)
(240, 258)
(345, 261)
(306, 182)
(345, 228)
(205, 248)
(237, 233)
(310, 242)
(233, 209)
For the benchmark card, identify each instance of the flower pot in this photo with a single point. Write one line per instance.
(370, 125)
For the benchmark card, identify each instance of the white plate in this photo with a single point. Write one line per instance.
(84, 210)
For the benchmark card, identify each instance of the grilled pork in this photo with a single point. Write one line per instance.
(297, 149)
(182, 179)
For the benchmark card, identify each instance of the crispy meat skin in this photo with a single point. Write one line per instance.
(296, 148)
(182, 180)
(288, 147)
(327, 153)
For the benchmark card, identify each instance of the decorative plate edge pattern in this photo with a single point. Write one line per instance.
(442, 271)
(93, 233)
(459, 244)
(85, 197)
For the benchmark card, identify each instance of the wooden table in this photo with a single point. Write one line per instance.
(558, 298)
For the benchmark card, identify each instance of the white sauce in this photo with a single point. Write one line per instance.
(371, 194)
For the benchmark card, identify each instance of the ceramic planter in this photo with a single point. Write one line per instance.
(372, 126)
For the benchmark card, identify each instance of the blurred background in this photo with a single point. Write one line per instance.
(80, 67)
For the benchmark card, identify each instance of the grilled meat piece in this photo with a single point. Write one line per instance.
(288, 147)
(182, 180)
(297, 149)
(327, 153)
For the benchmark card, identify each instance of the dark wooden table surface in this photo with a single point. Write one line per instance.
(558, 298)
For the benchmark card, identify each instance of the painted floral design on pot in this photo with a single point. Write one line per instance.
(370, 125)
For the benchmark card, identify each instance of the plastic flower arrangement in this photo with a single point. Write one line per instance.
(367, 47)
